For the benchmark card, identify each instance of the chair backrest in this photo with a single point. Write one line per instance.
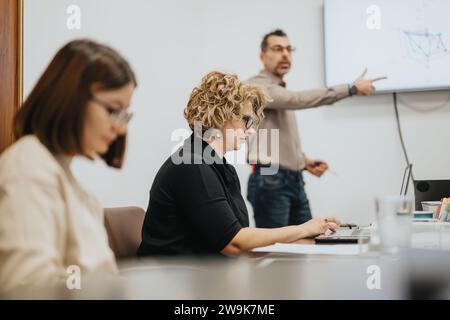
(124, 225)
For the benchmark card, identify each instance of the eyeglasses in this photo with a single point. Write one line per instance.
(280, 49)
(249, 121)
(121, 116)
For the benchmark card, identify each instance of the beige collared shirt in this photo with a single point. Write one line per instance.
(48, 222)
(279, 114)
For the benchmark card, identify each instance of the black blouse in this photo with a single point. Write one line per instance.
(196, 206)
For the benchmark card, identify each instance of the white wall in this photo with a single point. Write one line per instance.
(172, 44)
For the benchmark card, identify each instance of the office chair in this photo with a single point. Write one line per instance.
(123, 225)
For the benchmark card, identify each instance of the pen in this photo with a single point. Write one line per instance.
(332, 172)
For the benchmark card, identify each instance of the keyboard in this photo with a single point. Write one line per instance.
(346, 232)
(344, 235)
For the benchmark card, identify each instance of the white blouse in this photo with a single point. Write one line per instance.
(47, 221)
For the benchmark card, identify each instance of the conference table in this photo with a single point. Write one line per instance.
(420, 271)
(417, 272)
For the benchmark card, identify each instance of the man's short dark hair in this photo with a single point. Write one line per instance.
(277, 32)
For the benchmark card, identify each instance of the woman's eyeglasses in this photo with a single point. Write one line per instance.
(249, 121)
(121, 116)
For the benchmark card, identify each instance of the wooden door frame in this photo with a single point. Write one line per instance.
(11, 66)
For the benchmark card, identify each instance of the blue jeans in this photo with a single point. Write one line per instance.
(278, 200)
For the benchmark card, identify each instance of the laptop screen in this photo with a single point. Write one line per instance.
(405, 181)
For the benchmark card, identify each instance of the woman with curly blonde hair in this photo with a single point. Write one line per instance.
(196, 206)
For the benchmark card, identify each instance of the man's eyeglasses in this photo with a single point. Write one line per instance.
(249, 121)
(280, 49)
(121, 116)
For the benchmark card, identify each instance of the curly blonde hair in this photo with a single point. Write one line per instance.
(222, 97)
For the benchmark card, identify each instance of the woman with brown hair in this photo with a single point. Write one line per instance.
(48, 222)
(196, 206)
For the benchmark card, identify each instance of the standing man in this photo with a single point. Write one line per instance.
(279, 199)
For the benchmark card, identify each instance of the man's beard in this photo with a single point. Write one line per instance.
(278, 69)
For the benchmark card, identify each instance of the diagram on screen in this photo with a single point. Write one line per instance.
(411, 46)
(424, 46)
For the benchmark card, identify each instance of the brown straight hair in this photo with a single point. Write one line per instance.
(56, 107)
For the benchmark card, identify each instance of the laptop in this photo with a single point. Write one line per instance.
(344, 235)
(356, 234)
(406, 175)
